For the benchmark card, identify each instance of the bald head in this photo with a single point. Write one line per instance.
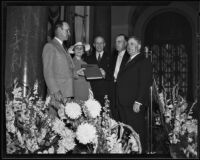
(134, 46)
(99, 43)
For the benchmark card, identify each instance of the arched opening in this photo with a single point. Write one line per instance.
(169, 38)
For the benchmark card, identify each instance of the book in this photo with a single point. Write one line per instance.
(92, 71)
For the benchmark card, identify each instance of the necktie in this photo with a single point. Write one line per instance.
(118, 64)
(64, 46)
(99, 57)
(128, 60)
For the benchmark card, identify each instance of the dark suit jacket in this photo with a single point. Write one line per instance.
(133, 84)
(112, 86)
(134, 81)
(113, 62)
(100, 87)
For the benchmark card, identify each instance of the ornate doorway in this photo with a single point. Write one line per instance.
(169, 38)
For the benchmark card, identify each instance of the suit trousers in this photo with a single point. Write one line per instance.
(113, 104)
(137, 121)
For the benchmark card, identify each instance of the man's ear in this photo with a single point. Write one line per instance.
(138, 47)
(125, 43)
(104, 44)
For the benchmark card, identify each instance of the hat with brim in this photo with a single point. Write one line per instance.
(86, 46)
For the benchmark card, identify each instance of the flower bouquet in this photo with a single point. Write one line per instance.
(28, 125)
(179, 124)
(81, 126)
(92, 129)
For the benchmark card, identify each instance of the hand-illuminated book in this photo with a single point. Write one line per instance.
(92, 71)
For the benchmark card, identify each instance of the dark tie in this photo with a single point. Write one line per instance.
(128, 60)
(99, 58)
(64, 46)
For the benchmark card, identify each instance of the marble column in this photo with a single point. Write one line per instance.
(26, 34)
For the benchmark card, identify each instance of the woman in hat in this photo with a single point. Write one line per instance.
(81, 85)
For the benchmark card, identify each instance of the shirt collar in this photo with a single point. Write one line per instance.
(101, 53)
(58, 40)
(134, 56)
(122, 53)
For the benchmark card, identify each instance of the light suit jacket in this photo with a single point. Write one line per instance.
(58, 69)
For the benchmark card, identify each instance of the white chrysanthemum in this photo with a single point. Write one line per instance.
(73, 110)
(67, 143)
(58, 126)
(93, 107)
(86, 133)
(66, 132)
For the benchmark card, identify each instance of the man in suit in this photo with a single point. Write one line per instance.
(101, 58)
(58, 66)
(118, 61)
(133, 86)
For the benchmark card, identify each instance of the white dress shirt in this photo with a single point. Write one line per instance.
(118, 63)
(131, 57)
(59, 40)
(97, 54)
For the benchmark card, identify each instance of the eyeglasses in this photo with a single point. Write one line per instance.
(78, 47)
(66, 30)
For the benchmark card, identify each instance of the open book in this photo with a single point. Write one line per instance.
(92, 71)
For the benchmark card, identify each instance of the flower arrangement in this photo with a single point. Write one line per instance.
(94, 130)
(178, 122)
(73, 110)
(86, 133)
(81, 126)
(27, 123)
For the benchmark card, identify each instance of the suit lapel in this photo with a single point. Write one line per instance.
(131, 63)
(124, 60)
(59, 46)
(102, 60)
(62, 51)
(94, 59)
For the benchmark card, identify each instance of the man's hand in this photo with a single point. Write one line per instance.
(70, 50)
(136, 107)
(103, 72)
(80, 72)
